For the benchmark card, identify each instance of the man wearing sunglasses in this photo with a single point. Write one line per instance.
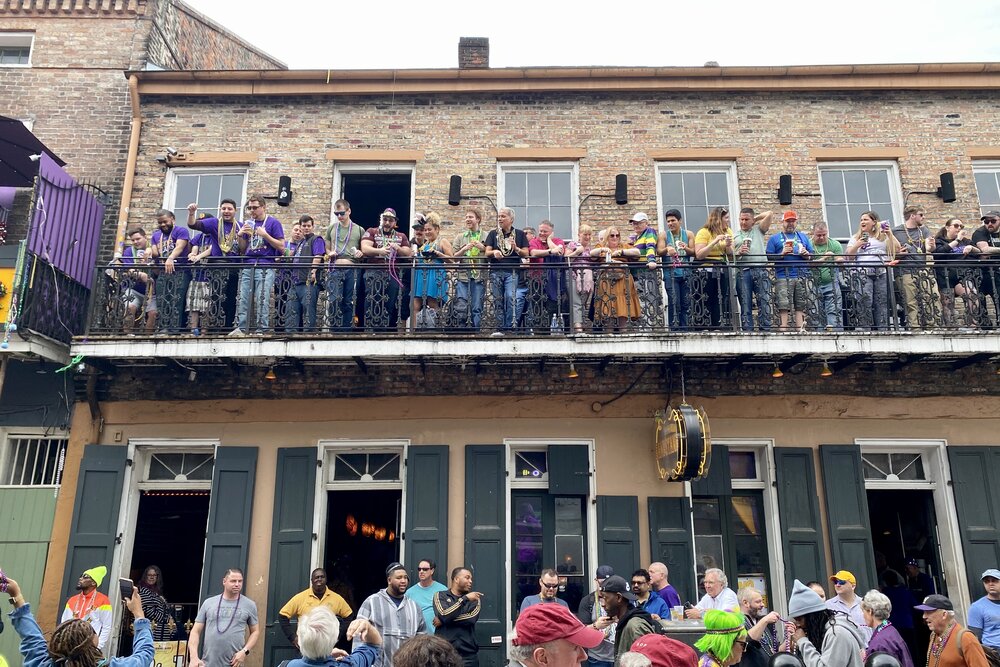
(987, 240)
(847, 603)
(425, 590)
(548, 586)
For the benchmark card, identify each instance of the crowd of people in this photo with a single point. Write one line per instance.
(220, 272)
(617, 625)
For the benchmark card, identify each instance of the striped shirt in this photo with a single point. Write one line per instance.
(646, 243)
(395, 622)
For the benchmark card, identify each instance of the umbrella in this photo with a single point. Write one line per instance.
(17, 145)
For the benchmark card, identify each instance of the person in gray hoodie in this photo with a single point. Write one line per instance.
(824, 637)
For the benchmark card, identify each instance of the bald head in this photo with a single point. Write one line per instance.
(658, 575)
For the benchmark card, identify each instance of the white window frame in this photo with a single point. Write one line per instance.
(6, 450)
(895, 186)
(18, 40)
(570, 166)
(727, 167)
(981, 167)
(170, 185)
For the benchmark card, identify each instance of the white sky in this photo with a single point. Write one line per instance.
(379, 34)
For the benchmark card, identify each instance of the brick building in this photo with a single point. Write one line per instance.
(348, 451)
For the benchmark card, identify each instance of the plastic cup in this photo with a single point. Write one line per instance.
(677, 613)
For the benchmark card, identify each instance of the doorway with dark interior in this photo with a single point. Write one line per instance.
(170, 534)
(362, 539)
(904, 536)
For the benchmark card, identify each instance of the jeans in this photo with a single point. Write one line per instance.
(171, 293)
(503, 285)
(302, 307)
(520, 301)
(259, 282)
(678, 299)
(755, 282)
(341, 285)
(828, 298)
(472, 292)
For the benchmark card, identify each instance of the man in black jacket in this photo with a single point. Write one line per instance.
(456, 611)
(592, 613)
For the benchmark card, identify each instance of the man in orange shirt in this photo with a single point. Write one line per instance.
(951, 644)
(91, 605)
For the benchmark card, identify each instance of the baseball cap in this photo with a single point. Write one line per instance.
(990, 214)
(665, 652)
(639, 216)
(935, 602)
(789, 215)
(604, 571)
(390, 212)
(992, 572)
(913, 562)
(673, 213)
(616, 584)
(542, 623)
(845, 576)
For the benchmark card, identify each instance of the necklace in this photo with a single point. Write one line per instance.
(256, 240)
(937, 645)
(166, 244)
(83, 609)
(339, 249)
(218, 611)
(916, 245)
(227, 239)
(505, 243)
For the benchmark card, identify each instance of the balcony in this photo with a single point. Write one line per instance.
(589, 311)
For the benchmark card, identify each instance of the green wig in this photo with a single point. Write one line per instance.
(722, 630)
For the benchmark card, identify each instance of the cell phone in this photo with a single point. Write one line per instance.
(126, 587)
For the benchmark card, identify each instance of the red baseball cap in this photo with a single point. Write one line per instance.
(665, 652)
(549, 621)
(789, 215)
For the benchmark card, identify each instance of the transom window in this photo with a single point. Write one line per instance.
(743, 465)
(540, 191)
(32, 461)
(987, 184)
(850, 189)
(695, 188)
(366, 467)
(206, 187)
(894, 467)
(531, 465)
(180, 467)
(15, 49)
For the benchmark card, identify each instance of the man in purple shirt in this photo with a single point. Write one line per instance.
(170, 250)
(261, 240)
(306, 257)
(222, 234)
(661, 586)
(139, 299)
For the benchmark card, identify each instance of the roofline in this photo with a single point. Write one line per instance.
(926, 76)
(223, 30)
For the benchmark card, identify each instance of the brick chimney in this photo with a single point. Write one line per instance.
(474, 53)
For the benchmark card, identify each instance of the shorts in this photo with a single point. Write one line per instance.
(133, 299)
(790, 293)
(197, 297)
(151, 304)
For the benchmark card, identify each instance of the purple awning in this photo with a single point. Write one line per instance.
(17, 145)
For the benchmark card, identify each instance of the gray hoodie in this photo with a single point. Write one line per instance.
(842, 646)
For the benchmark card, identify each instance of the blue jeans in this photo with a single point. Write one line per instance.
(341, 287)
(503, 284)
(755, 282)
(472, 292)
(828, 297)
(678, 299)
(520, 299)
(259, 282)
(302, 307)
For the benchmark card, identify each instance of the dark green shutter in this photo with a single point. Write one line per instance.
(618, 533)
(569, 470)
(291, 542)
(671, 543)
(975, 478)
(94, 531)
(228, 538)
(719, 481)
(426, 528)
(847, 512)
(485, 544)
(798, 512)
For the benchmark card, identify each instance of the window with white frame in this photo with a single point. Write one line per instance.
(206, 187)
(987, 175)
(540, 191)
(32, 461)
(15, 49)
(851, 188)
(694, 188)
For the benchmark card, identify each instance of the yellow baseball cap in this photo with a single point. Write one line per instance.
(844, 575)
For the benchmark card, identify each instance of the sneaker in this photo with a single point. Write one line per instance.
(196, 332)
(496, 334)
(235, 333)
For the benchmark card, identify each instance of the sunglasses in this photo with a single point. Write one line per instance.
(550, 585)
(959, 226)
(990, 221)
(423, 569)
(840, 582)
(614, 236)
(253, 208)
(340, 214)
(638, 583)
(741, 642)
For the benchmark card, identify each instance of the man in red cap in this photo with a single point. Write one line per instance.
(548, 635)
(665, 652)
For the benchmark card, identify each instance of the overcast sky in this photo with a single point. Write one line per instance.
(376, 34)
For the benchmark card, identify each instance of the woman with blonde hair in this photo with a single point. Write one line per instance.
(430, 284)
(724, 640)
(615, 298)
(710, 293)
(581, 276)
(874, 248)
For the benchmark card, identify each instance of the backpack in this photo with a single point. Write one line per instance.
(992, 655)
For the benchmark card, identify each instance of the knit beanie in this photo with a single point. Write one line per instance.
(804, 601)
(97, 574)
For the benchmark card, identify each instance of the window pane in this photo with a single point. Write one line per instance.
(528, 538)
(876, 466)
(694, 188)
(857, 186)
(520, 216)
(987, 188)
(855, 211)
(186, 191)
(208, 191)
(743, 465)
(884, 212)
(878, 185)
(515, 185)
(232, 188)
(718, 192)
(569, 516)
(907, 466)
(559, 187)
(538, 189)
(833, 186)
(530, 465)
(535, 215)
(673, 192)
(562, 221)
(695, 218)
(837, 220)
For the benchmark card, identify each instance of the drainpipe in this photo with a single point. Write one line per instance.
(133, 155)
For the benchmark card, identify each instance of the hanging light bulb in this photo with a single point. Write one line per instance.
(826, 371)
(777, 373)
(270, 374)
(572, 371)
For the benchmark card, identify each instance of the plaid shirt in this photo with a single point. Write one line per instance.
(395, 622)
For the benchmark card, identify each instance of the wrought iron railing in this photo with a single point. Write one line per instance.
(587, 297)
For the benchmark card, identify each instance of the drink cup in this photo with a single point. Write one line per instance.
(677, 613)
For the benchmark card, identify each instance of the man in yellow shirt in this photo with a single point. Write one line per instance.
(314, 596)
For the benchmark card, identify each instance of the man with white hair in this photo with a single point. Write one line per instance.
(718, 595)
(317, 635)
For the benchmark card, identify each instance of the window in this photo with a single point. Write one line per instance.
(696, 187)
(366, 467)
(530, 465)
(987, 185)
(850, 189)
(893, 467)
(15, 49)
(207, 187)
(32, 461)
(180, 467)
(541, 191)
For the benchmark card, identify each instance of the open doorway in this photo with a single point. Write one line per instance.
(170, 534)
(370, 193)
(362, 539)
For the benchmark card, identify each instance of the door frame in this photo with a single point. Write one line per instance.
(949, 538)
(342, 167)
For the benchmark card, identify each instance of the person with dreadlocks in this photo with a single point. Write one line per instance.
(724, 640)
(824, 638)
(74, 642)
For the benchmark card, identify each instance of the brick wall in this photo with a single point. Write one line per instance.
(776, 131)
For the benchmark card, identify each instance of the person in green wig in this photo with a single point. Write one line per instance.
(724, 639)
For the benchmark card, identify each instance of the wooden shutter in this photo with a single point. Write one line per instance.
(229, 512)
(975, 476)
(847, 512)
(719, 481)
(485, 545)
(569, 470)
(618, 533)
(671, 542)
(798, 512)
(426, 527)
